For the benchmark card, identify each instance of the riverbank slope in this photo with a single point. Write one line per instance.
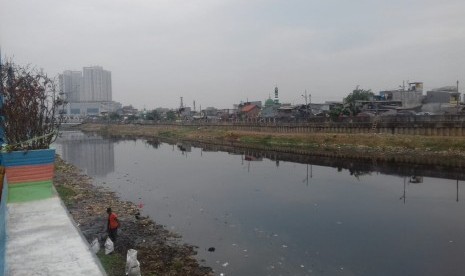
(410, 149)
(160, 252)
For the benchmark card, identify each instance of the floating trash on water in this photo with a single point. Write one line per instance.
(275, 235)
(284, 246)
(342, 268)
(451, 241)
(234, 244)
(338, 222)
(245, 250)
(221, 274)
(225, 264)
(302, 266)
(211, 249)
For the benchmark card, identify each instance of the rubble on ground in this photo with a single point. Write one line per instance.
(160, 252)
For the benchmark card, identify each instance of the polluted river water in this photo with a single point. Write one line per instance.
(251, 215)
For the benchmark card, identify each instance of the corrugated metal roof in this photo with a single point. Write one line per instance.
(248, 108)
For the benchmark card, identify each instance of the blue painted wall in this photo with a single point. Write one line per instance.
(3, 220)
(30, 157)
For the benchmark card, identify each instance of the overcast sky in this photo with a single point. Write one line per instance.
(221, 52)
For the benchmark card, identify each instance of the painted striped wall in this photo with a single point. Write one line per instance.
(29, 174)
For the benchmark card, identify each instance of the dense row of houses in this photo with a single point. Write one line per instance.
(411, 100)
(408, 100)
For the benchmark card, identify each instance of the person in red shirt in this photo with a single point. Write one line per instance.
(112, 225)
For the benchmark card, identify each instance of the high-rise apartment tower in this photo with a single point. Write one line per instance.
(71, 85)
(96, 85)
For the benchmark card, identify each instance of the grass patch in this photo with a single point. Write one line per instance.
(114, 264)
(66, 194)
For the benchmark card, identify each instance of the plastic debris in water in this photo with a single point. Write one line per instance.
(225, 264)
(211, 249)
(284, 246)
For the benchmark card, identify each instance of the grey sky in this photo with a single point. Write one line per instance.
(219, 52)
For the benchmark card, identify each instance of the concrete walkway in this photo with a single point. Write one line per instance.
(42, 240)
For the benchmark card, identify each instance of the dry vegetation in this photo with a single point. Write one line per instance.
(311, 143)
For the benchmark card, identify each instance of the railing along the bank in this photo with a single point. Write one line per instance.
(430, 125)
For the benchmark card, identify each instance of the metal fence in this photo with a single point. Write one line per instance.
(429, 125)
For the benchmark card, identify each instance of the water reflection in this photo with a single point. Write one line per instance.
(269, 213)
(91, 153)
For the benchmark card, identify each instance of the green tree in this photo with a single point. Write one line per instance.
(114, 116)
(153, 115)
(171, 115)
(338, 111)
(350, 102)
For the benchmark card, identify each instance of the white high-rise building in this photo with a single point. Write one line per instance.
(70, 85)
(88, 93)
(96, 85)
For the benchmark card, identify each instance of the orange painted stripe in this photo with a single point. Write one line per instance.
(29, 173)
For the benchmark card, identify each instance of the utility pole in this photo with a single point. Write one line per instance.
(306, 103)
(458, 97)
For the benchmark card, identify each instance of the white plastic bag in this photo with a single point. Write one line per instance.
(109, 247)
(95, 246)
(132, 264)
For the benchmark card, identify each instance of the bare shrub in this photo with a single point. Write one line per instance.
(30, 111)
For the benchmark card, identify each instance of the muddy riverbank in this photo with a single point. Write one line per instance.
(160, 252)
(407, 149)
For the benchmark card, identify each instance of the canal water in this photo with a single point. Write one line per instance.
(273, 217)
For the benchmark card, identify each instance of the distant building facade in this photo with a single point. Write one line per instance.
(70, 85)
(412, 97)
(96, 85)
(88, 93)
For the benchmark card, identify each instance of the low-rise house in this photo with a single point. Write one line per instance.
(443, 100)
(412, 97)
(250, 112)
(269, 112)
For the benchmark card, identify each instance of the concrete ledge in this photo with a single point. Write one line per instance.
(30, 191)
(42, 240)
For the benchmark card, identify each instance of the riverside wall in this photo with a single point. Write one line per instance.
(453, 125)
